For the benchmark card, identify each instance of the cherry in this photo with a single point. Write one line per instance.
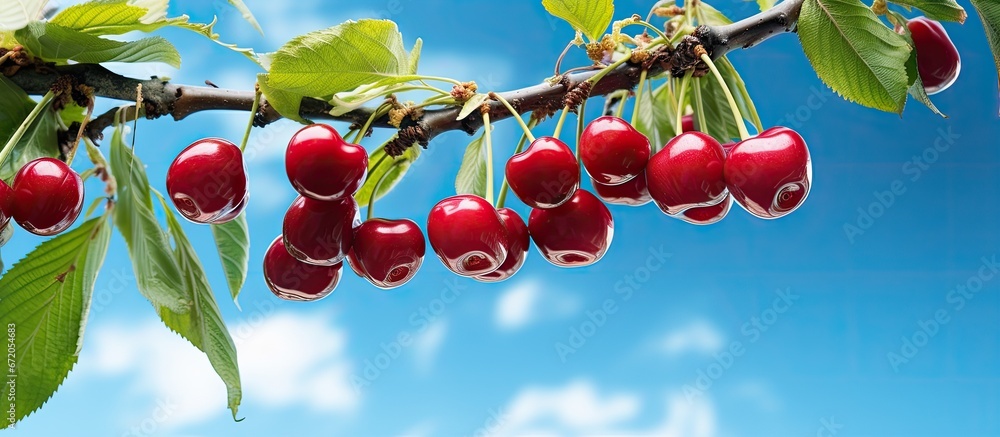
(938, 60)
(631, 193)
(576, 234)
(322, 166)
(517, 247)
(387, 252)
(612, 151)
(208, 181)
(687, 173)
(687, 123)
(707, 215)
(545, 175)
(468, 235)
(291, 279)
(6, 204)
(770, 174)
(318, 232)
(47, 197)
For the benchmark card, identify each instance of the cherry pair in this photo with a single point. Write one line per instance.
(475, 240)
(45, 198)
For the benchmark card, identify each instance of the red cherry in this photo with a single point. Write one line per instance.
(47, 197)
(687, 173)
(687, 123)
(208, 181)
(707, 215)
(937, 58)
(545, 175)
(631, 193)
(6, 204)
(517, 247)
(612, 151)
(576, 234)
(322, 166)
(318, 232)
(770, 174)
(291, 279)
(387, 252)
(468, 235)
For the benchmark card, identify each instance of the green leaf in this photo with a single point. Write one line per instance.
(710, 16)
(989, 12)
(592, 17)
(15, 14)
(44, 304)
(414, 60)
(739, 89)
(944, 10)
(233, 241)
(713, 114)
(657, 116)
(287, 104)
(766, 4)
(102, 17)
(383, 166)
(471, 178)
(247, 15)
(203, 325)
(854, 53)
(55, 43)
(156, 271)
(341, 58)
(472, 105)
(40, 140)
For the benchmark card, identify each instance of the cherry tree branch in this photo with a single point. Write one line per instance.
(161, 98)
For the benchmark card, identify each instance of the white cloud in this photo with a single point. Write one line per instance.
(580, 409)
(427, 344)
(528, 301)
(280, 366)
(698, 336)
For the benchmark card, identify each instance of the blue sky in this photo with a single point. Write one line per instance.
(745, 328)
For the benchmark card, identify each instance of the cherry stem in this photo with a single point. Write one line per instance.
(488, 139)
(371, 199)
(638, 96)
(580, 119)
(744, 133)
(79, 134)
(378, 112)
(505, 186)
(562, 121)
(679, 127)
(621, 106)
(604, 72)
(253, 115)
(517, 116)
(14, 139)
(659, 33)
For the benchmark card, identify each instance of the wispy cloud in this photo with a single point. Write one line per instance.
(427, 345)
(698, 336)
(529, 301)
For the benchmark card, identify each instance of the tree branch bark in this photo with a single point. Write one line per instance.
(162, 98)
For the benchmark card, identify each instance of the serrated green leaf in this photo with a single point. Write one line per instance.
(15, 14)
(714, 116)
(592, 17)
(203, 325)
(55, 43)
(247, 15)
(157, 273)
(44, 304)
(854, 53)
(341, 58)
(233, 241)
(944, 10)
(389, 170)
(472, 105)
(710, 16)
(287, 104)
(40, 140)
(101, 17)
(657, 116)
(471, 178)
(989, 13)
